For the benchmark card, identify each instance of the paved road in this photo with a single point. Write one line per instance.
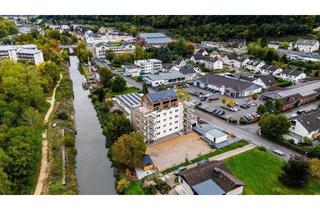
(242, 132)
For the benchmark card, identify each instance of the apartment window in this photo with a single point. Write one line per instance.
(164, 131)
(170, 129)
(164, 125)
(176, 116)
(170, 112)
(170, 124)
(176, 127)
(164, 113)
(176, 110)
(158, 133)
(158, 115)
(176, 122)
(170, 118)
(164, 120)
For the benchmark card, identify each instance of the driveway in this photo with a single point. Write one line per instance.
(177, 150)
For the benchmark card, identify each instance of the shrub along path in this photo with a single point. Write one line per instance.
(44, 169)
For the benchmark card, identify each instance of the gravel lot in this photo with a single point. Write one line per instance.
(175, 151)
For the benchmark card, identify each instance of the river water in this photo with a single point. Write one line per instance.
(94, 171)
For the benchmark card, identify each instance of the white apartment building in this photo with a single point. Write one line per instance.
(160, 114)
(21, 52)
(132, 70)
(149, 66)
(307, 45)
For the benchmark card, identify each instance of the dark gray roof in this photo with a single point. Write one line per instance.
(187, 69)
(269, 67)
(162, 96)
(198, 56)
(292, 72)
(215, 170)
(306, 42)
(268, 80)
(310, 121)
(229, 82)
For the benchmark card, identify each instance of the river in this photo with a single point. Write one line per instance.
(94, 171)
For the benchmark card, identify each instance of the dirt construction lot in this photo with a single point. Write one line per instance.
(175, 151)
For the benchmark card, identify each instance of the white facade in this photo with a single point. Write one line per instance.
(307, 45)
(213, 64)
(216, 136)
(132, 70)
(21, 52)
(156, 124)
(254, 66)
(150, 66)
(292, 78)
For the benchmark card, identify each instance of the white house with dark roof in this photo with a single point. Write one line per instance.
(213, 63)
(292, 74)
(253, 65)
(210, 178)
(269, 69)
(189, 71)
(304, 126)
(234, 60)
(307, 45)
(132, 70)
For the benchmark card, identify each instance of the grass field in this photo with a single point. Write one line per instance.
(259, 171)
(135, 188)
(126, 91)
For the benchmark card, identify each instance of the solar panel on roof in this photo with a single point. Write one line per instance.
(162, 95)
(124, 102)
(132, 99)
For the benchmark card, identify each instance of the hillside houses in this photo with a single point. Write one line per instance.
(307, 45)
(292, 74)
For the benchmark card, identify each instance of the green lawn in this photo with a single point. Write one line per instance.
(259, 171)
(135, 188)
(119, 68)
(208, 155)
(126, 91)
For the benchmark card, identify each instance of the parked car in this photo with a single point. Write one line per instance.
(202, 162)
(278, 152)
(301, 111)
(179, 170)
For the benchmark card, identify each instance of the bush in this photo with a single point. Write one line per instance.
(295, 173)
(69, 141)
(162, 186)
(62, 116)
(262, 148)
(315, 167)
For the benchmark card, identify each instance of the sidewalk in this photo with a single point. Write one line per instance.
(232, 153)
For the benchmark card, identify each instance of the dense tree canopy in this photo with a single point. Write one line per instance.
(129, 149)
(7, 28)
(23, 90)
(296, 172)
(274, 126)
(199, 27)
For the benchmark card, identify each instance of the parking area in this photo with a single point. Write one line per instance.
(175, 151)
(212, 101)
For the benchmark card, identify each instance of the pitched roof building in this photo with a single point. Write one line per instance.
(211, 178)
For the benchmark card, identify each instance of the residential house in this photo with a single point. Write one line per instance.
(203, 52)
(188, 71)
(307, 45)
(160, 114)
(164, 78)
(254, 65)
(292, 74)
(210, 178)
(234, 60)
(213, 63)
(296, 95)
(228, 85)
(304, 126)
(270, 69)
(149, 66)
(266, 81)
(274, 44)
